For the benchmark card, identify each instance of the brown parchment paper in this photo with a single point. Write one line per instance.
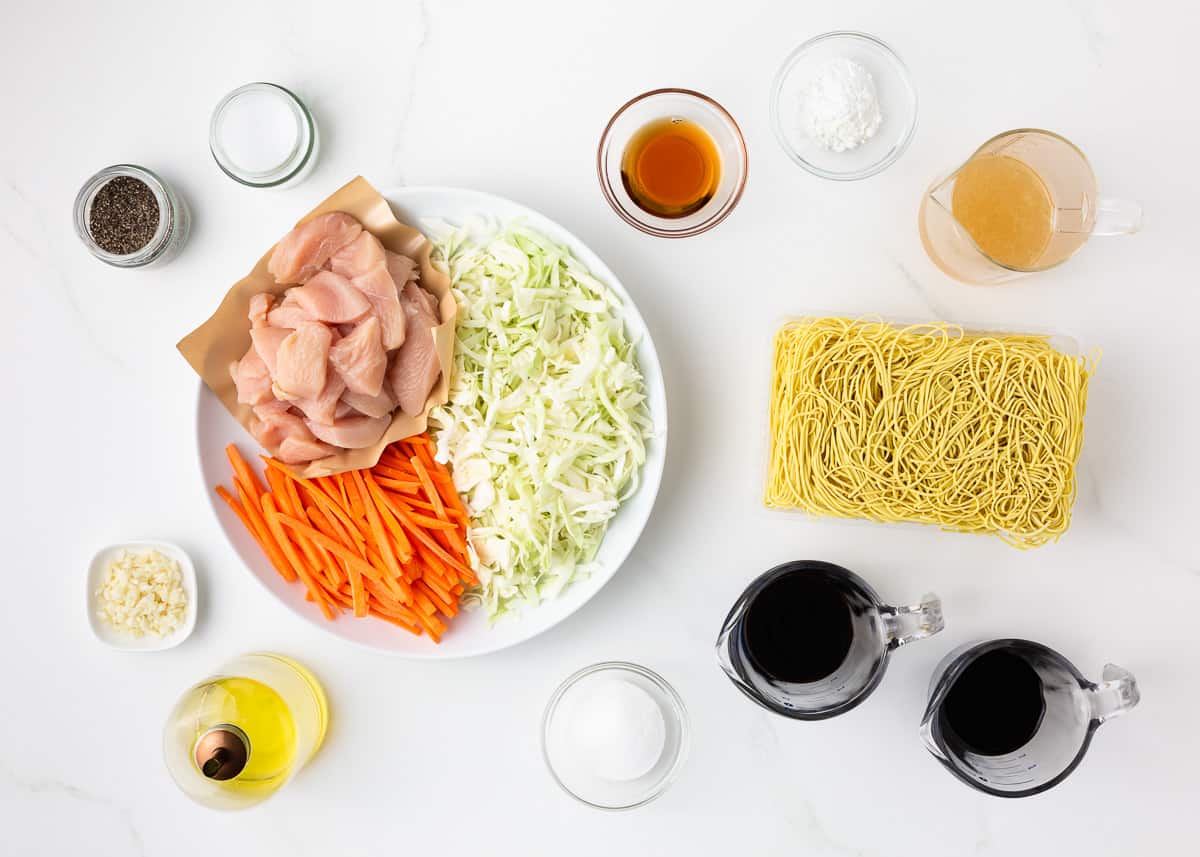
(224, 338)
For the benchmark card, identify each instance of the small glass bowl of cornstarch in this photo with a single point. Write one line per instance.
(843, 106)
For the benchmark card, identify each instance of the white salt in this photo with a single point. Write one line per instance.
(259, 130)
(616, 730)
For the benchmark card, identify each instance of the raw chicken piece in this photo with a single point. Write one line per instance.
(251, 378)
(415, 367)
(427, 298)
(360, 359)
(330, 298)
(306, 249)
(358, 256)
(364, 263)
(275, 406)
(260, 305)
(351, 432)
(401, 268)
(373, 406)
(344, 409)
(272, 427)
(266, 342)
(382, 292)
(288, 313)
(290, 436)
(323, 407)
(296, 450)
(302, 360)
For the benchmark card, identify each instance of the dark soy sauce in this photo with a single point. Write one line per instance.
(995, 705)
(798, 629)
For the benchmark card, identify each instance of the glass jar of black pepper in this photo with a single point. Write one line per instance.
(128, 217)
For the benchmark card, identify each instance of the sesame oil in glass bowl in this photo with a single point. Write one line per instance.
(672, 163)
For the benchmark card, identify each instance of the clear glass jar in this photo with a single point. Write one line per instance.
(263, 121)
(174, 219)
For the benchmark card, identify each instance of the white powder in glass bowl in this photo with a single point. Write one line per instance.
(839, 106)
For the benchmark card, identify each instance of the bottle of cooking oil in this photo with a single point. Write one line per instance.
(233, 740)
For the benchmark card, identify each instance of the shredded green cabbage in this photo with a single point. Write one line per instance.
(546, 425)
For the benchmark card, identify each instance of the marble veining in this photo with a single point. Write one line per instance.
(443, 758)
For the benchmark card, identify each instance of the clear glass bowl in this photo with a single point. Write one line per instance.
(580, 782)
(667, 103)
(897, 101)
(174, 220)
(293, 167)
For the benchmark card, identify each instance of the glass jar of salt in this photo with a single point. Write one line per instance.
(262, 135)
(614, 735)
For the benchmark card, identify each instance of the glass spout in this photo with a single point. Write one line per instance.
(942, 192)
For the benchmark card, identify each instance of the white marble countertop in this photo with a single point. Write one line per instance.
(510, 98)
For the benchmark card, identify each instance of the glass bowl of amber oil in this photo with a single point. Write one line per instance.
(672, 163)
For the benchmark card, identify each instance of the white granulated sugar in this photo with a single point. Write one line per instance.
(839, 107)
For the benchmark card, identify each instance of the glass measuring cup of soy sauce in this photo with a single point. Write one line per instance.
(1013, 718)
(811, 640)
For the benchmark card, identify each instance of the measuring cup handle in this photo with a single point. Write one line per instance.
(1117, 217)
(1115, 695)
(916, 622)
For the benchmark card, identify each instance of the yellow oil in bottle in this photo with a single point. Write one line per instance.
(262, 717)
(1005, 207)
(236, 738)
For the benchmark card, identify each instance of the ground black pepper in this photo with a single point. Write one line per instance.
(124, 216)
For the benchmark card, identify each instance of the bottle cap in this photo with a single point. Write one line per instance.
(222, 751)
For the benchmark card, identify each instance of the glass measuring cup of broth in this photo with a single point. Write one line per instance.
(811, 640)
(1013, 718)
(672, 163)
(1025, 201)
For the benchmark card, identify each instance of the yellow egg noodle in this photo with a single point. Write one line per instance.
(975, 432)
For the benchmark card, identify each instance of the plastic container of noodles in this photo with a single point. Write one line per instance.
(821, 464)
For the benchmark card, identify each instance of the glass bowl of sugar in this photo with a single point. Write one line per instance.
(614, 735)
(262, 135)
(843, 106)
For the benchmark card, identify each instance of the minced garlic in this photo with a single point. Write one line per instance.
(142, 594)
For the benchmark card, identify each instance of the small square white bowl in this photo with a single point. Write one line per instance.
(109, 635)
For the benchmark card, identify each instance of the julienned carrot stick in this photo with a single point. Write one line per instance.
(379, 503)
(236, 506)
(264, 541)
(430, 489)
(332, 568)
(425, 539)
(432, 523)
(263, 534)
(242, 471)
(381, 540)
(393, 484)
(341, 517)
(388, 541)
(356, 503)
(274, 518)
(330, 545)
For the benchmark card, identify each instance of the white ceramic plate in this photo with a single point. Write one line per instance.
(469, 633)
(109, 635)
